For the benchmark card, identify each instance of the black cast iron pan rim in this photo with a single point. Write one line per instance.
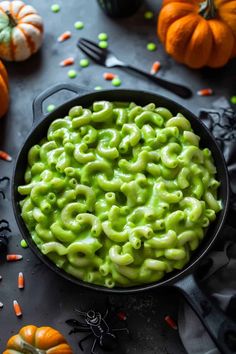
(173, 276)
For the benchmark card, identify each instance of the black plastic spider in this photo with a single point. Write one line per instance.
(1, 180)
(221, 122)
(4, 227)
(95, 323)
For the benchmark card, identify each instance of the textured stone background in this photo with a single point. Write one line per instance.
(48, 299)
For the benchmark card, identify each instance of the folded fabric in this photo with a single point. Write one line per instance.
(219, 280)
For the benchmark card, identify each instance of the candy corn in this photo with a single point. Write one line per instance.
(14, 257)
(155, 67)
(205, 92)
(109, 76)
(17, 308)
(171, 323)
(5, 156)
(64, 36)
(67, 62)
(21, 281)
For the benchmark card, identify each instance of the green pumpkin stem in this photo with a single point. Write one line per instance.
(207, 9)
(12, 21)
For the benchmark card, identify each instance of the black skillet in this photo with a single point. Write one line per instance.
(221, 329)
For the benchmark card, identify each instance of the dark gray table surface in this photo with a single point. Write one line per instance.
(48, 299)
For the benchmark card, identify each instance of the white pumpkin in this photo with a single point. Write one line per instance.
(21, 30)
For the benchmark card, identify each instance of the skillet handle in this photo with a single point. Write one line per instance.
(221, 328)
(38, 101)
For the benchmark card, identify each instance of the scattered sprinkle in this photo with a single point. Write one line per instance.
(103, 36)
(23, 243)
(171, 323)
(64, 36)
(72, 74)
(98, 88)
(21, 281)
(155, 67)
(116, 81)
(148, 15)
(79, 25)
(50, 108)
(1, 305)
(205, 92)
(122, 316)
(67, 62)
(109, 76)
(233, 99)
(55, 8)
(84, 63)
(17, 308)
(103, 44)
(5, 156)
(13, 257)
(151, 47)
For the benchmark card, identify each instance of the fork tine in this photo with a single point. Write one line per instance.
(89, 52)
(94, 50)
(93, 46)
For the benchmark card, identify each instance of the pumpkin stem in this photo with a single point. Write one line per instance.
(207, 9)
(12, 21)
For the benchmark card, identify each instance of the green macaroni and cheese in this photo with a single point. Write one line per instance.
(118, 194)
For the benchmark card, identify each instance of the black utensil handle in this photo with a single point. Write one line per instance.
(221, 328)
(178, 89)
(38, 101)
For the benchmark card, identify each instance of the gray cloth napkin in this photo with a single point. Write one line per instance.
(219, 280)
(220, 283)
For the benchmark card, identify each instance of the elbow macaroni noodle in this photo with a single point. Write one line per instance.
(119, 194)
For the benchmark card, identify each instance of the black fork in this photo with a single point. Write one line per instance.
(106, 58)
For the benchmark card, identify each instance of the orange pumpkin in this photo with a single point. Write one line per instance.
(199, 33)
(21, 30)
(4, 94)
(38, 340)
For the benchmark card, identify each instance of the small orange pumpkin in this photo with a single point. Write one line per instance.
(199, 33)
(21, 30)
(4, 93)
(38, 340)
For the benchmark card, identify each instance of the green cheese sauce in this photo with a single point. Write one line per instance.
(119, 194)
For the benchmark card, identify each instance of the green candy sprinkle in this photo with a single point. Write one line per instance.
(72, 74)
(23, 244)
(151, 47)
(79, 25)
(116, 81)
(103, 44)
(84, 63)
(103, 36)
(148, 15)
(50, 108)
(55, 8)
(233, 99)
(98, 88)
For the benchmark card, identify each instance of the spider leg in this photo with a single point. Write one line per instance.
(76, 323)
(82, 340)
(76, 330)
(93, 347)
(106, 313)
(120, 330)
